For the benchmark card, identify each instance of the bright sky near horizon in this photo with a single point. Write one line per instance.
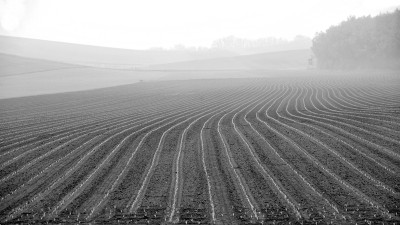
(142, 24)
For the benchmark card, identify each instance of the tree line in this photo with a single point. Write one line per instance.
(269, 44)
(363, 42)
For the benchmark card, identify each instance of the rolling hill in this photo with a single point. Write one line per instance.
(293, 59)
(20, 76)
(95, 55)
(11, 65)
(256, 65)
(52, 67)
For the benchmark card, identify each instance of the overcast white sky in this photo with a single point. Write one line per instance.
(141, 24)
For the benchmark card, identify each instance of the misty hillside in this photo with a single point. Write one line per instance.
(256, 65)
(98, 56)
(243, 46)
(20, 76)
(294, 59)
(17, 65)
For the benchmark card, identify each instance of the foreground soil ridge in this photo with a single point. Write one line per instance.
(277, 150)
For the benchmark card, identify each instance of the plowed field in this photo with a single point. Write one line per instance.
(305, 149)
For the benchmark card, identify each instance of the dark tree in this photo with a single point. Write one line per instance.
(364, 42)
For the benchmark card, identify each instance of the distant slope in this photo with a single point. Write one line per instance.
(257, 65)
(21, 76)
(294, 59)
(17, 65)
(96, 56)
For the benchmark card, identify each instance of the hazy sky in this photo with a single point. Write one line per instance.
(142, 24)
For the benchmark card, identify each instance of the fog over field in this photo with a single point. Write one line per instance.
(220, 39)
(199, 112)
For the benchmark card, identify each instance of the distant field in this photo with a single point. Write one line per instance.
(68, 80)
(35, 67)
(21, 76)
(95, 55)
(11, 65)
(284, 60)
(313, 149)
